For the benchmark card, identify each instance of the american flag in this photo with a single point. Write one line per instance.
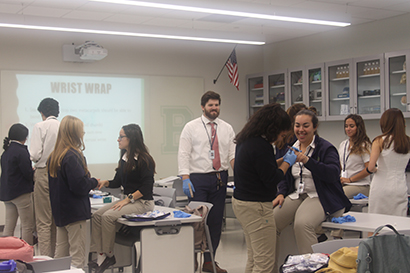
(232, 67)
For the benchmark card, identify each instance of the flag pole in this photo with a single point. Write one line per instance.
(224, 65)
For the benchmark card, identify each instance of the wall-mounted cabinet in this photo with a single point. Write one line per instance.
(257, 97)
(338, 86)
(277, 88)
(315, 88)
(366, 86)
(369, 86)
(296, 85)
(397, 87)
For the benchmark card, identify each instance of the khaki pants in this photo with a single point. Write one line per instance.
(46, 229)
(20, 206)
(352, 190)
(258, 223)
(103, 224)
(306, 214)
(71, 242)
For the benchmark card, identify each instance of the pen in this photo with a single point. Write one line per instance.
(294, 148)
(190, 191)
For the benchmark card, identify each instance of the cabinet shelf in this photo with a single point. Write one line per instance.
(340, 79)
(398, 72)
(370, 75)
(315, 101)
(256, 105)
(298, 83)
(313, 82)
(277, 86)
(257, 89)
(369, 97)
(398, 94)
(340, 99)
(258, 99)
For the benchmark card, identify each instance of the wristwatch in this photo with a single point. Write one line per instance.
(131, 197)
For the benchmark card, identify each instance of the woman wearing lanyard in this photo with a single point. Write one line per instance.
(354, 154)
(311, 191)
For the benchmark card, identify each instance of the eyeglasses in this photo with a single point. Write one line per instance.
(120, 137)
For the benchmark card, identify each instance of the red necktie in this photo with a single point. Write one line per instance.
(216, 162)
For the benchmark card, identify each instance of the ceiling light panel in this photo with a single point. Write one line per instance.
(224, 12)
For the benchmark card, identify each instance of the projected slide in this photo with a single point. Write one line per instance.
(103, 103)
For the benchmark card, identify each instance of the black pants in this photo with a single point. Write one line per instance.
(207, 190)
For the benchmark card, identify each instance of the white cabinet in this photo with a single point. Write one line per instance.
(315, 89)
(257, 96)
(339, 86)
(369, 86)
(296, 85)
(277, 88)
(397, 87)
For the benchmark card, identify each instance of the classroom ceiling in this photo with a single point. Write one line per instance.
(116, 17)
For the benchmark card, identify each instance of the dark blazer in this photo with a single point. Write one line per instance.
(256, 171)
(16, 172)
(141, 179)
(324, 165)
(69, 191)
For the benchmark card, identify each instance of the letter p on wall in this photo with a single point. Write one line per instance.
(175, 119)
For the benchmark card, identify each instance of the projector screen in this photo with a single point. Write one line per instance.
(103, 103)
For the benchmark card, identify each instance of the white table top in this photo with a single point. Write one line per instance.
(368, 222)
(97, 203)
(170, 219)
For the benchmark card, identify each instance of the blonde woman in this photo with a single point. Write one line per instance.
(70, 183)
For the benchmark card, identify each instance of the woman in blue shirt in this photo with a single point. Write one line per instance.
(17, 184)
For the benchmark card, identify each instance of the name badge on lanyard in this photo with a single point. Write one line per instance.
(344, 174)
(211, 154)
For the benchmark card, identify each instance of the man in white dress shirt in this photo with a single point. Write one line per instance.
(206, 148)
(43, 139)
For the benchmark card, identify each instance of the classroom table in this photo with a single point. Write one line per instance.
(368, 222)
(160, 238)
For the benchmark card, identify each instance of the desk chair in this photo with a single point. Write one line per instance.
(181, 198)
(170, 193)
(209, 248)
(331, 246)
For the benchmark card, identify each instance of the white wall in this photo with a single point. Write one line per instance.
(42, 51)
(354, 41)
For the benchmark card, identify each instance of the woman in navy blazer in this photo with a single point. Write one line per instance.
(17, 184)
(311, 191)
(69, 184)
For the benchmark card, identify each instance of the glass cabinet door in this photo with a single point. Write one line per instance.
(255, 94)
(296, 86)
(396, 83)
(338, 88)
(315, 89)
(277, 88)
(369, 86)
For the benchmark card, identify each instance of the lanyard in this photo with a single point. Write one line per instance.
(301, 166)
(344, 157)
(211, 141)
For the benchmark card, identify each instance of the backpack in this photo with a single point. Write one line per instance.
(13, 248)
(199, 227)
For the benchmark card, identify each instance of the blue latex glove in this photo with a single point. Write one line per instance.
(181, 214)
(290, 157)
(186, 183)
(359, 196)
(343, 219)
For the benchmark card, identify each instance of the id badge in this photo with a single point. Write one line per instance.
(211, 154)
(301, 187)
(344, 174)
